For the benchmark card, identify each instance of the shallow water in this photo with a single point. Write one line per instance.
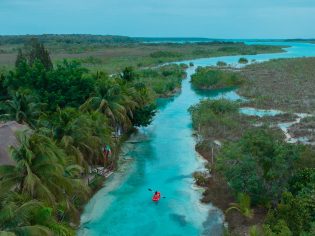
(164, 158)
(249, 111)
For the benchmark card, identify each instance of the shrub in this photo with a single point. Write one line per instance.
(210, 78)
(243, 60)
(200, 178)
(259, 164)
(221, 63)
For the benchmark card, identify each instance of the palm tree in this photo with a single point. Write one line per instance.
(81, 135)
(109, 100)
(22, 107)
(19, 215)
(131, 99)
(243, 206)
(40, 172)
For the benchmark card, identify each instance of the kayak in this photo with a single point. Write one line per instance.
(156, 197)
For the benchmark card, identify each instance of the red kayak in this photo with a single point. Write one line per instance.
(156, 197)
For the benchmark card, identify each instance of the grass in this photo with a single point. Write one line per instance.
(112, 55)
(285, 84)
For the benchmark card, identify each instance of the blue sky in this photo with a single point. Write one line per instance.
(161, 18)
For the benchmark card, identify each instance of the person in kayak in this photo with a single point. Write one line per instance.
(157, 196)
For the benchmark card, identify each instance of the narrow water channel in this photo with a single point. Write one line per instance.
(163, 158)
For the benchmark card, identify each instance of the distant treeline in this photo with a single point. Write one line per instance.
(67, 39)
(104, 39)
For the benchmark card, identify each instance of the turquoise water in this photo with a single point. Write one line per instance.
(259, 112)
(163, 158)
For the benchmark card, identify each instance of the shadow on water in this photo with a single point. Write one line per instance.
(228, 93)
(179, 219)
(212, 93)
(211, 225)
(177, 178)
(163, 102)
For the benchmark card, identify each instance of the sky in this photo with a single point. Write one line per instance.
(161, 18)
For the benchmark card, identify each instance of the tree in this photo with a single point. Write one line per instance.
(128, 74)
(293, 212)
(303, 179)
(259, 164)
(35, 51)
(3, 88)
(110, 101)
(22, 107)
(143, 115)
(81, 135)
(67, 85)
(243, 206)
(280, 228)
(23, 216)
(20, 58)
(40, 173)
(216, 117)
(146, 107)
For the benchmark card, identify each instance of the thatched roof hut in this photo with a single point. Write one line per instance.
(7, 139)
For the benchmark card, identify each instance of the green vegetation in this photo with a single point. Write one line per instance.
(114, 53)
(243, 60)
(271, 180)
(72, 114)
(66, 39)
(216, 117)
(243, 206)
(164, 80)
(212, 78)
(285, 84)
(257, 163)
(221, 64)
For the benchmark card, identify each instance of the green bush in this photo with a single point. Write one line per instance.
(210, 78)
(259, 164)
(292, 212)
(221, 63)
(211, 111)
(162, 80)
(243, 60)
